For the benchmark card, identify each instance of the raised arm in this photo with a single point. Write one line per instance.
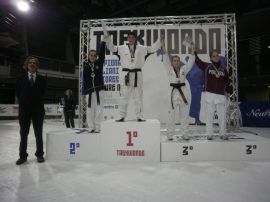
(107, 38)
(101, 54)
(155, 46)
(165, 56)
(191, 60)
(190, 63)
(201, 64)
(109, 44)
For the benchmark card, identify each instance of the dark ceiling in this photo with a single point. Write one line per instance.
(52, 22)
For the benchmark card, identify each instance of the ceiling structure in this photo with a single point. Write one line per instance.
(51, 23)
(61, 16)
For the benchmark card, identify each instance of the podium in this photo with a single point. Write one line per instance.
(131, 141)
(74, 145)
(240, 146)
(119, 141)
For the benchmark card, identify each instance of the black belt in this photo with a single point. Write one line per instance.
(178, 87)
(89, 98)
(127, 76)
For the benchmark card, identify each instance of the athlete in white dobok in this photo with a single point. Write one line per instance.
(180, 95)
(132, 58)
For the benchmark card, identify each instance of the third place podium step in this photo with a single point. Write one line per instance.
(240, 146)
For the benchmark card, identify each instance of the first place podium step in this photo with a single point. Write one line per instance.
(131, 141)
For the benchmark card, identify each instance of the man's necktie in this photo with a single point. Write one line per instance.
(32, 80)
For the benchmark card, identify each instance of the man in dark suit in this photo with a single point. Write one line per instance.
(30, 90)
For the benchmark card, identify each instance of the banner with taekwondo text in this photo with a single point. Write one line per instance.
(156, 95)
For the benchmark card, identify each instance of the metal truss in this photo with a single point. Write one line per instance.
(230, 51)
(233, 117)
(83, 55)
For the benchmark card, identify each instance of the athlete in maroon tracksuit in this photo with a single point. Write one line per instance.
(216, 87)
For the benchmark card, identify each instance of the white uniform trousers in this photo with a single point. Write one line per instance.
(95, 112)
(215, 102)
(183, 109)
(126, 93)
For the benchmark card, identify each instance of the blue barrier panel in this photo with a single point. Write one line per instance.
(255, 114)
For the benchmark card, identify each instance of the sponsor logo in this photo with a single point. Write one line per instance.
(258, 113)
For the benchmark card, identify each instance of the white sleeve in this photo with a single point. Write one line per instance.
(155, 46)
(189, 64)
(166, 60)
(110, 45)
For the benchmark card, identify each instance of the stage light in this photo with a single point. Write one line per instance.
(23, 6)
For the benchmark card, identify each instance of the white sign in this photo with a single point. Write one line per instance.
(50, 110)
(155, 82)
